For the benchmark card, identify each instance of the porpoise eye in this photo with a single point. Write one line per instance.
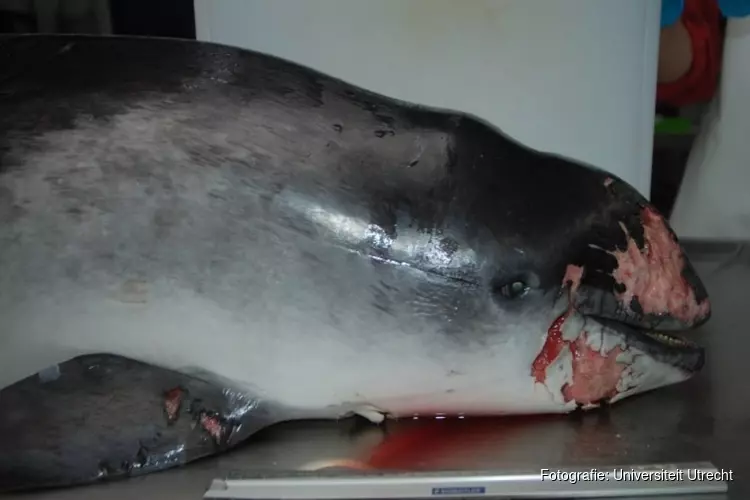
(514, 289)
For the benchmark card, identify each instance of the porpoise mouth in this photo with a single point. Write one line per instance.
(647, 291)
(590, 360)
(661, 336)
(667, 347)
(623, 311)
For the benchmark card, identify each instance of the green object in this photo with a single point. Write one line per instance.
(673, 126)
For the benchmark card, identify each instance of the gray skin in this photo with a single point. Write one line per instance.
(276, 244)
(112, 421)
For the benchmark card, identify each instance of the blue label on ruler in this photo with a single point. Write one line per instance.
(460, 490)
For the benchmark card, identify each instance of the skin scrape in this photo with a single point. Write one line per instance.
(573, 275)
(212, 426)
(654, 275)
(595, 376)
(173, 403)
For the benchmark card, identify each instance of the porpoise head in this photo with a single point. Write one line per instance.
(569, 279)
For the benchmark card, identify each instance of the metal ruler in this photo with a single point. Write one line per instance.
(631, 481)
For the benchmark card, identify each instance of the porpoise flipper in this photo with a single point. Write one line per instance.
(100, 416)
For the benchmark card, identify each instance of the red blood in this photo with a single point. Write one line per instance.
(552, 348)
(554, 343)
(595, 376)
(172, 403)
(654, 275)
(431, 444)
(401, 447)
(213, 426)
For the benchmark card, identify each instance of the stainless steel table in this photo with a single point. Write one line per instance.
(707, 418)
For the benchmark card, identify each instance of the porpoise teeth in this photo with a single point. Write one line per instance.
(668, 339)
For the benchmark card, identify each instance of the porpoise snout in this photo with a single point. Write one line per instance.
(636, 272)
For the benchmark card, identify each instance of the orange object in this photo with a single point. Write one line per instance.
(702, 19)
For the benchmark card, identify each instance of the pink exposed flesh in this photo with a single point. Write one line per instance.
(654, 275)
(573, 275)
(172, 403)
(212, 426)
(595, 375)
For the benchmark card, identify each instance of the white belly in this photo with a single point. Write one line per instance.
(164, 273)
(279, 353)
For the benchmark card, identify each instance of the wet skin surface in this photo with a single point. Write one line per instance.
(327, 250)
(102, 417)
(703, 419)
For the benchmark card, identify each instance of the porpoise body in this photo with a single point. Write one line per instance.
(198, 241)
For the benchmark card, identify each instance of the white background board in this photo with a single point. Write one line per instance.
(574, 77)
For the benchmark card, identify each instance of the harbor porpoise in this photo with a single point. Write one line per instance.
(199, 241)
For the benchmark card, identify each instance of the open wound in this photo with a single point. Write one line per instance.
(595, 370)
(653, 275)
